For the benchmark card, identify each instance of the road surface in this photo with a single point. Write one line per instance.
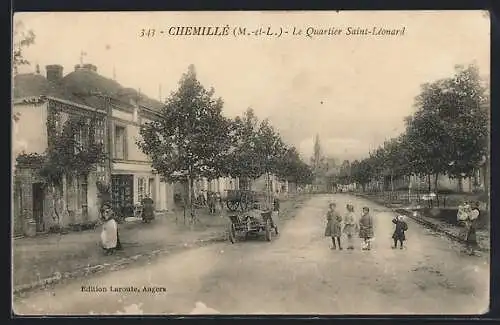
(296, 273)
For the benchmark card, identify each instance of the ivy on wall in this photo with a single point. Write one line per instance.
(72, 148)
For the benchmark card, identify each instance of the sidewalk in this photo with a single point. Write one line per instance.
(48, 259)
(450, 230)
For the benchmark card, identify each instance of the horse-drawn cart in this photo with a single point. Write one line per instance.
(241, 199)
(252, 223)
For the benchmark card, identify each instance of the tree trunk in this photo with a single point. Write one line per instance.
(430, 189)
(268, 190)
(392, 183)
(409, 189)
(64, 213)
(190, 195)
(486, 181)
(460, 184)
(436, 188)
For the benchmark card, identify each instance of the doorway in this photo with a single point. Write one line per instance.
(122, 194)
(38, 198)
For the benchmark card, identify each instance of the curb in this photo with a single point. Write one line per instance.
(121, 263)
(426, 223)
(83, 272)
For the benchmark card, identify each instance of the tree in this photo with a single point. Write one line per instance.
(361, 172)
(22, 38)
(304, 174)
(242, 159)
(466, 114)
(448, 132)
(191, 139)
(395, 159)
(293, 169)
(345, 173)
(270, 151)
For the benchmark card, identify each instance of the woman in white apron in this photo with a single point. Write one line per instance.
(109, 233)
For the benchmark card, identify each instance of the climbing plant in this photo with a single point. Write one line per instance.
(72, 150)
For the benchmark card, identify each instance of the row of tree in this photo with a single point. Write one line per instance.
(447, 134)
(193, 139)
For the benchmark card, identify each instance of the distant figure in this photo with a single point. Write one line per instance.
(334, 226)
(366, 228)
(350, 226)
(399, 232)
(148, 210)
(276, 204)
(211, 202)
(220, 201)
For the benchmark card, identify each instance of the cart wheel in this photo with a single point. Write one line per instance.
(231, 234)
(268, 230)
(232, 205)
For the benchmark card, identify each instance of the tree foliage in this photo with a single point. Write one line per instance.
(447, 134)
(67, 153)
(22, 38)
(294, 169)
(242, 160)
(192, 137)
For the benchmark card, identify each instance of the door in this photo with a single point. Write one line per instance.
(38, 198)
(122, 194)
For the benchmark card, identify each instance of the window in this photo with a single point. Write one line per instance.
(151, 187)
(101, 173)
(99, 131)
(120, 142)
(141, 188)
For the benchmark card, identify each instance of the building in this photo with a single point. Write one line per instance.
(132, 177)
(33, 199)
(121, 111)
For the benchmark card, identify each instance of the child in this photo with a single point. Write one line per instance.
(333, 226)
(399, 232)
(350, 226)
(366, 228)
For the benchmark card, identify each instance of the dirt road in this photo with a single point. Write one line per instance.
(297, 273)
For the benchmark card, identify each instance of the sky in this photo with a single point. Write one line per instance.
(352, 90)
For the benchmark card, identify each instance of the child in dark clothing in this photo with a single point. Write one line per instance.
(366, 229)
(399, 232)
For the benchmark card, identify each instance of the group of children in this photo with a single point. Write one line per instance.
(336, 226)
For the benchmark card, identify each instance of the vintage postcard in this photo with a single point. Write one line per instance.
(294, 162)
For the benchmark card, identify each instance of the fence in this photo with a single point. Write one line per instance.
(425, 199)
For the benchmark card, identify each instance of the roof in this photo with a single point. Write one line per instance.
(33, 85)
(77, 87)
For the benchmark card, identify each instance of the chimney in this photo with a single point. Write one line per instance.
(54, 72)
(86, 67)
